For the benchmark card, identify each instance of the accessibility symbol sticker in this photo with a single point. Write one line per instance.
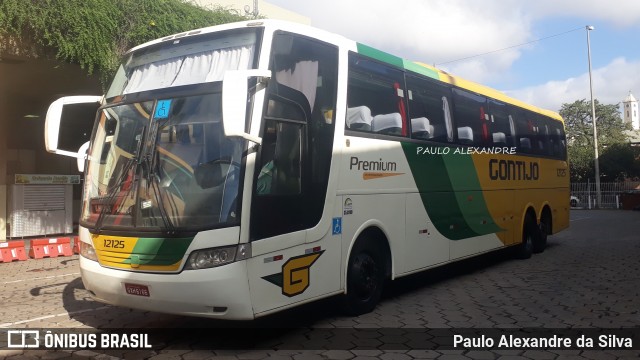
(336, 227)
(162, 109)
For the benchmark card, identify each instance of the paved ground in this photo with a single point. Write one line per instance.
(589, 277)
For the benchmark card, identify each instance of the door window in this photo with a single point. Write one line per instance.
(294, 159)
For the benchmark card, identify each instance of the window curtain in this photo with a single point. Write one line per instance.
(304, 78)
(192, 69)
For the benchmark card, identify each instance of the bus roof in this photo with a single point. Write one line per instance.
(415, 67)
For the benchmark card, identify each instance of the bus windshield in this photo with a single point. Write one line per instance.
(159, 160)
(163, 165)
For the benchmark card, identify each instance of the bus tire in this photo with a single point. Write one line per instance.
(529, 234)
(365, 279)
(540, 242)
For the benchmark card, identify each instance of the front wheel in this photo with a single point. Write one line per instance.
(365, 279)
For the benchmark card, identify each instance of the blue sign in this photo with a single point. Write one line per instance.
(336, 227)
(162, 109)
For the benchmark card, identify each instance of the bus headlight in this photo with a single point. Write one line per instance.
(208, 258)
(87, 251)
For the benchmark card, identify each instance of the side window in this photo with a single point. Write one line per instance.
(502, 131)
(281, 159)
(526, 132)
(428, 110)
(542, 136)
(470, 117)
(375, 98)
(532, 134)
(557, 141)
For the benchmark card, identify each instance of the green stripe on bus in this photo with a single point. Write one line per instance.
(380, 55)
(464, 179)
(159, 251)
(411, 66)
(396, 61)
(445, 183)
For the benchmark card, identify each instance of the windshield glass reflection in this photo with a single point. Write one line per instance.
(163, 164)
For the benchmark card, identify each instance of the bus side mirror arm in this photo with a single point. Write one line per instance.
(82, 156)
(234, 101)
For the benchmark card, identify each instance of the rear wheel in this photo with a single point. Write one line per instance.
(365, 279)
(540, 243)
(529, 234)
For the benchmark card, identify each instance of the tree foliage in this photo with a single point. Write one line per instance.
(617, 160)
(579, 126)
(620, 162)
(96, 33)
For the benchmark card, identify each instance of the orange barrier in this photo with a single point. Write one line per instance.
(12, 250)
(64, 247)
(54, 247)
(40, 248)
(76, 245)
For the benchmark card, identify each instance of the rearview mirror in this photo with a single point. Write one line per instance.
(234, 101)
(69, 123)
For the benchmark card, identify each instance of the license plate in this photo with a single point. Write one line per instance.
(136, 289)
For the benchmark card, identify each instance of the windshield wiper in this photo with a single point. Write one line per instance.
(150, 166)
(108, 202)
(154, 181)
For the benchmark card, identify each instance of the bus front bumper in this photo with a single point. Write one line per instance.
(221, 292)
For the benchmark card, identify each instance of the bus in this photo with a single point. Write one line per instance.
(238, 170)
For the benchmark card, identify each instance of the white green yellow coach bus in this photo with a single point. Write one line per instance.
(239, 170)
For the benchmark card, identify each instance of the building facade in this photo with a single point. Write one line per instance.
(27, 88)
(630, 111)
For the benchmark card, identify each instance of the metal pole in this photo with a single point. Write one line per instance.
(589, 192)
(593, 119)
(255, 11)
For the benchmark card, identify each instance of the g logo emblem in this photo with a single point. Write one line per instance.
(295, 275)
